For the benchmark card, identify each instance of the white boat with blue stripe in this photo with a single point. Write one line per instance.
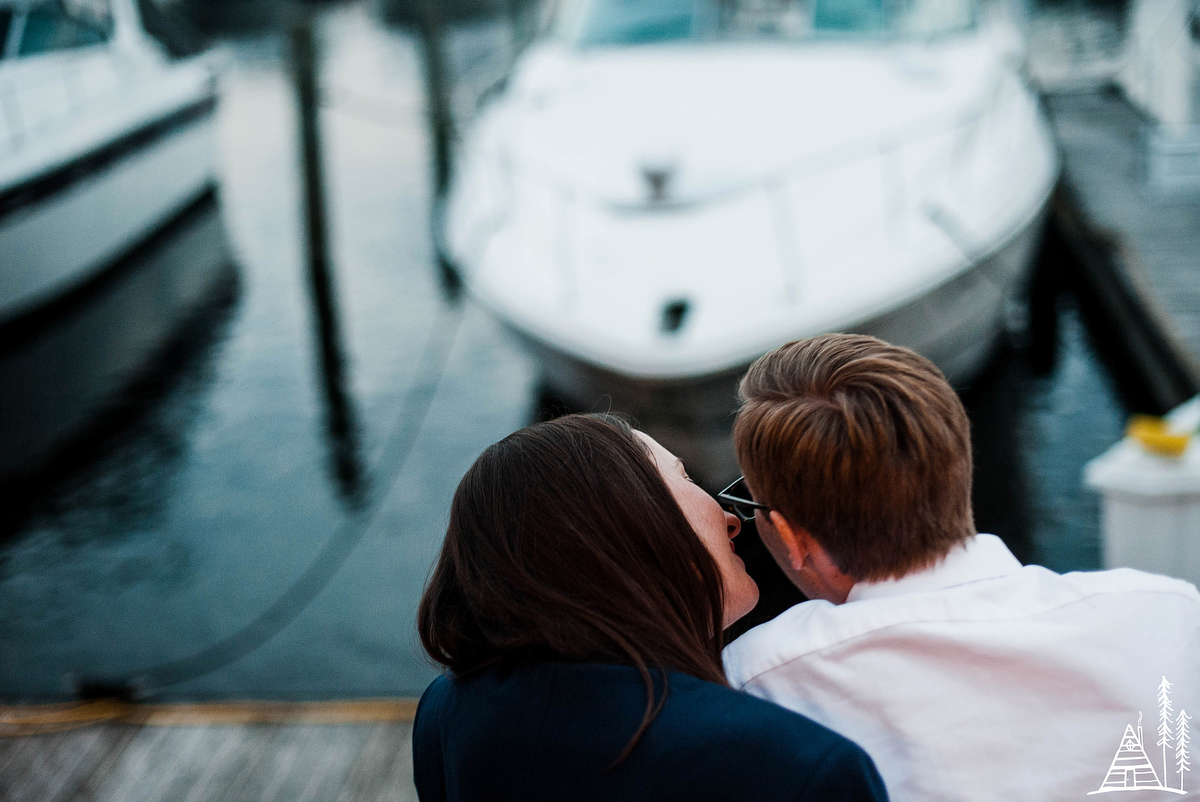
(106, 134)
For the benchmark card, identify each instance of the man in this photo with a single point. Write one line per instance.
(963, 674)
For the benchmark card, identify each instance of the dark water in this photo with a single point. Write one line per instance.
(233, 530)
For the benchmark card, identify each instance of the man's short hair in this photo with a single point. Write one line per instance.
(862, 443)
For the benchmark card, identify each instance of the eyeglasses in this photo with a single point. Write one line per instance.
(736, 499)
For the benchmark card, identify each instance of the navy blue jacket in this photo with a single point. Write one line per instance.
(550, 731)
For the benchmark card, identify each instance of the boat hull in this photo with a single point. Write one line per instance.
(84, 218)
(958, 325)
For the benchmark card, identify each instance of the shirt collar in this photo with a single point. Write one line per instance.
(979, 557)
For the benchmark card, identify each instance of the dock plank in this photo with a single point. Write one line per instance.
(57, 764)
(200, 757)
(282, 762)
(1100, 135)
(50, 768)
(116, 739)
(248, 776)
(119, 762)
(147, 762)
(233, 770)
(383, 769)
(12, 758)
(313, 763)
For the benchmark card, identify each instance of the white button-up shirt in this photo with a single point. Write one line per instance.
(979, 679)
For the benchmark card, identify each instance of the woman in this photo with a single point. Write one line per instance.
(578, 603)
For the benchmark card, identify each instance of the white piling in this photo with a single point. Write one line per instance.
(1151, 503)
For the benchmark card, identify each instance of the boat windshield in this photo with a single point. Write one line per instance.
(628, 22)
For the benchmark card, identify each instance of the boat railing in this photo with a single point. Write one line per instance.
(955, 134)
(889, 147)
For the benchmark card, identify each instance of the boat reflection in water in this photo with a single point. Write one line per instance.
(83, 368)
(663, 191)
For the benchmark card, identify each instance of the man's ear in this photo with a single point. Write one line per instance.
(815, 571)
(795, 540)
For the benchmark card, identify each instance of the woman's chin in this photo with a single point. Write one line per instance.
(746, 602)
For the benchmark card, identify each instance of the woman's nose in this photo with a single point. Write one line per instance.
(733, 525)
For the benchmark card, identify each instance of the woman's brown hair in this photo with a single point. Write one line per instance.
(564, 543)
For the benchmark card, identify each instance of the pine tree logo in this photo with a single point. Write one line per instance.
(1182, 740)
(1131, 768)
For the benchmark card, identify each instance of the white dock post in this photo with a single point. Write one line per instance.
(1151, 503)
(1159, 76)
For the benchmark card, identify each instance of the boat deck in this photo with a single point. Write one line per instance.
(123, 762)
(1155, 243)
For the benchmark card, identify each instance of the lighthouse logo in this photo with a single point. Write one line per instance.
(1132, 769)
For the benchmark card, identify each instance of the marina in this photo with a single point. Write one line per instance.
(220, 564)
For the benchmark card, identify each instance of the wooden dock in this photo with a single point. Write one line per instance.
(1142, 251)
(208, 753)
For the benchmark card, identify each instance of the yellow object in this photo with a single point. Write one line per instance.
(1155, 436)
(19, 721)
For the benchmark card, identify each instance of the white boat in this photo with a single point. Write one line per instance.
(666, 189)
(106, 134)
